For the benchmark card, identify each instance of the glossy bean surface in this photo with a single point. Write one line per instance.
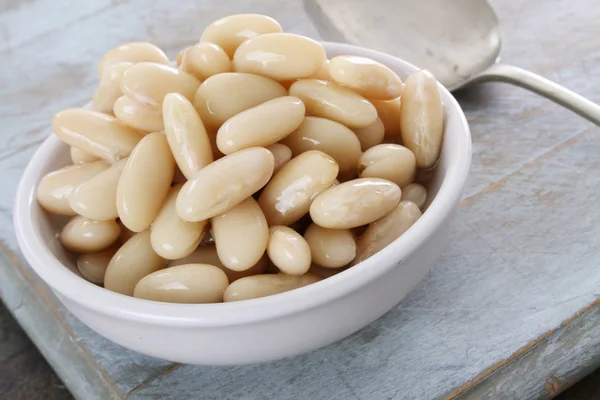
(132, 52)
(388, 161)
(280, 56)
(109, 89)
(92, 266)
(83, 235)
(54, 188)
(371, 135)
(204, 60)
(381, 233)
(422, 118)
(190, 283)
(262, 125)
(214, 101)
(288, 250)
(143, 117)
(330, 248)
(207, 254)
(354, 203)
(97, 197)
(253, 287)
(332, 101)
(415, 193)
(145, 182)
(287, 197)
(241, 235)
(231, 31)
(328, 136)
(95, 133)
(133, 261)
(225, 183)
(172, 237)
(186, 134)
(149, 83)
(366, 77)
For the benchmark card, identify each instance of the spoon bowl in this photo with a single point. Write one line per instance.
(459, 41)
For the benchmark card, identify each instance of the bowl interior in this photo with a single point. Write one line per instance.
(37, 231)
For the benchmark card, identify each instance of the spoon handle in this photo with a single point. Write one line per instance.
(544, 87)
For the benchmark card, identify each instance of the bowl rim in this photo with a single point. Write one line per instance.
(73, 287)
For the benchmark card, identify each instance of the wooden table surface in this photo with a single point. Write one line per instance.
(511, 309)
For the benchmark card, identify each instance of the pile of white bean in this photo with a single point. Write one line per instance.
(254, 167)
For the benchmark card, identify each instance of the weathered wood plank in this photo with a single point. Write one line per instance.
(41, 17)
(521, 262)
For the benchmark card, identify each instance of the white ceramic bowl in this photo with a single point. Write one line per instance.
(234, 333)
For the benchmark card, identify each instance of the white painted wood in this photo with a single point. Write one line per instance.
(512, 304)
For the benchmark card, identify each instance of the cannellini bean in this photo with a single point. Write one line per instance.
(282, 155)
(172, 237)
(93, 265)
(381, 233)
(262, 125)
(204, 60)
(371, 135)
(415, 193)
(288, 250)
(330, 248)
(80, 156)
(141, 116)
(225, 183)
(388, 161)
(328, 136)
(97, 197)
(231, 31)
(208, 255)
(287, 197)
(280, 56)
(179, 57)
(55, 188)
(354, 203)
(241, 235)
(186, 135)
(214, 101)
(149, 83)
(133, 261)
(322, 73)
(145, 182)
(190, 283)
(330, 100)
(95, 133)
(389, 113)
(109, 89)
(83, 235)
(256, 286)
(422, 118)
(132, 52)
(366, 77)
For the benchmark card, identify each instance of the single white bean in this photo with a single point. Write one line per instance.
(83, 235)
(133, 261)
(172, 237)
(256, 286)
(288, 250)
(190, 283)
(145, 182)
(381, 233)
(225, 183)
(241, 235)
(354, 203)
(330, 248)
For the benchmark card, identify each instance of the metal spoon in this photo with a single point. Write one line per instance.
(457, 40)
